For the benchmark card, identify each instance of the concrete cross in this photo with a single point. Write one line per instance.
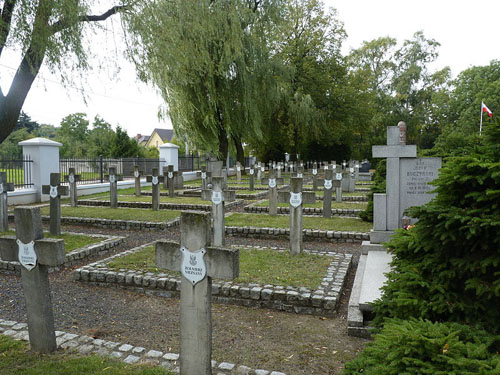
(327, 193)
(218, 196)
(338, 183)
(296, 197)
(36, 255)
(137, 177)
(238, 172)
(4, 206)
(315, 175)
(72, 178)
(170, 180)
(198, 264)
(178, 180)
(55, 190)
(279, 166)
(206, 177)
(252, 176)
(273, 183)
(155, 188)
(394, 151)
(113, 179)
(262, 170)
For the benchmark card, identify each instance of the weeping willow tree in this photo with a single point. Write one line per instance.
(42, 31)
(209, 60)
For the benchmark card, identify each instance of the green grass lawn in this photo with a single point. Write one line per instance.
(71, 241)
(319, 204)
(17, 359)
(283, 221)
(117, 213)
(256, 266)
(163, 199)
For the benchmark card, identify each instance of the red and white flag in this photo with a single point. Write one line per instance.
(486, 109)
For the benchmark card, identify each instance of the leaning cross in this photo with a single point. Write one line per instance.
(55, 190)
(394, 151)
(4, 207)
(198, 264)
(155, 189)
(113, 187)
(273, 183)
(296, 197)
(36, 255)
(72, 178)
(137, 177)
(218, 196)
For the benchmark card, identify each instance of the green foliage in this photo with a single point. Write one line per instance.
(73, 135)
(424, 348)
(447, 266)
(377, 187)
(122, 146)
(9, 148)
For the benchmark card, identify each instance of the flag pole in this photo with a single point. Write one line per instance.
(481, 121)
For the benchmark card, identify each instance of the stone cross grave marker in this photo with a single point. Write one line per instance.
(279, 167)
(327, 193)
(314, 172)
(165, 177)
(296, 197)
(394, 151)
(36, 255)
(72, 179)
(155, 188)
(198, 264)
(113, 179)
(218, 196)
(178, 180)
(338, 183)
(4, 206)
(170, 181)
(137, 177)
(273, 183)
(262, 171)
(206, 177)
(238, 172)
(55, 190)
(252, 177)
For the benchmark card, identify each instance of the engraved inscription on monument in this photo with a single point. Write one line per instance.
(415, 175)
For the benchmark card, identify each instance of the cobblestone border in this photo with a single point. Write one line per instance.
(73, 257)
(129, 354)
(117, 224)
(258, 195)
(253, 208)
(163, 206)
(322, 301)
(328, 235)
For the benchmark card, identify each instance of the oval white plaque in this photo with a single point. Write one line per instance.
(203, 175)
(53, 191)
(262, 169)
(193, 266)
(325, 167)
(299, 175)
(295, 199)
(328, 184)
(314, 172)
(351, 170)
(154, 180)
(238, 169)
(272, 182)
(26, 254)
(71, 178)
(112, 179)
(136, 174)
(251, 171)
(338, 176)
(170, 174)
(216, 197)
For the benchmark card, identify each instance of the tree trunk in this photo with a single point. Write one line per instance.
(240, 154)
(223, 143)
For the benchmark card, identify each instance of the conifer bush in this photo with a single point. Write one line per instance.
(447, 267)
(424, 348)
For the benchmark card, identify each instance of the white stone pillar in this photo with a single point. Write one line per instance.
(45, 156)
(169, 155)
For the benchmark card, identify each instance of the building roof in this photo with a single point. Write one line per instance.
(143, 139)
(166, 135)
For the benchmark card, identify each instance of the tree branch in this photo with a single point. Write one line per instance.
(7, 11)
(64, 24)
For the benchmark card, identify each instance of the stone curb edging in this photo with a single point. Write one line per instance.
(114, 224)
(76, 255)
(163, 206)
(306, 210)
(322, 301)
(329, 235)
(129, 354)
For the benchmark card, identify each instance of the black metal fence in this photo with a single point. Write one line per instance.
(18, 171)
(95, 170)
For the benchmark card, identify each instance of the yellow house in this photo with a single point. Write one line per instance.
(159, 137)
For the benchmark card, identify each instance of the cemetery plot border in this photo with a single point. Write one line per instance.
(322, 302)
(77, 255)
(254, 208)
(130, 354)
(118, 224)
(162, 206)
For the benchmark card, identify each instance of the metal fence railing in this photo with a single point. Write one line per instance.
(95, 170)
(18, 171)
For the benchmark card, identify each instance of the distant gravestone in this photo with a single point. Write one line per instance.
(72, 179)
(327, 193)
(170, 179)
(155, 188)
(238, 172)
(4, 206)
(55, 190)
(36, 256)
(273, 183)
(315, 175)
(113, 179)
(252, 177)
(198, 264)
(206, 177)
(137, 178)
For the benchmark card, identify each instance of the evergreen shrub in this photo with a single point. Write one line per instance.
(377, 187)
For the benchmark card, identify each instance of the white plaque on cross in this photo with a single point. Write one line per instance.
(251, 171)
(295, 199)
(154, 180)
(112, 178)
(299, 175)
(238, 169)
(203, 175)
(193, 266)
(53, 191)
(27, 255)
(338, 176)
(328, 184)
(216, 197)
(272, 182)
(314, 171)
(170, 174)
(71, 178)
(136, 174)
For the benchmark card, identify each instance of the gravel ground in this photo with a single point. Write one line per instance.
(259, 338)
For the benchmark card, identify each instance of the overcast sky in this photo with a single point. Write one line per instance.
(467, 30)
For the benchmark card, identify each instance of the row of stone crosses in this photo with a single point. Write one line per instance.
(200, 255)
